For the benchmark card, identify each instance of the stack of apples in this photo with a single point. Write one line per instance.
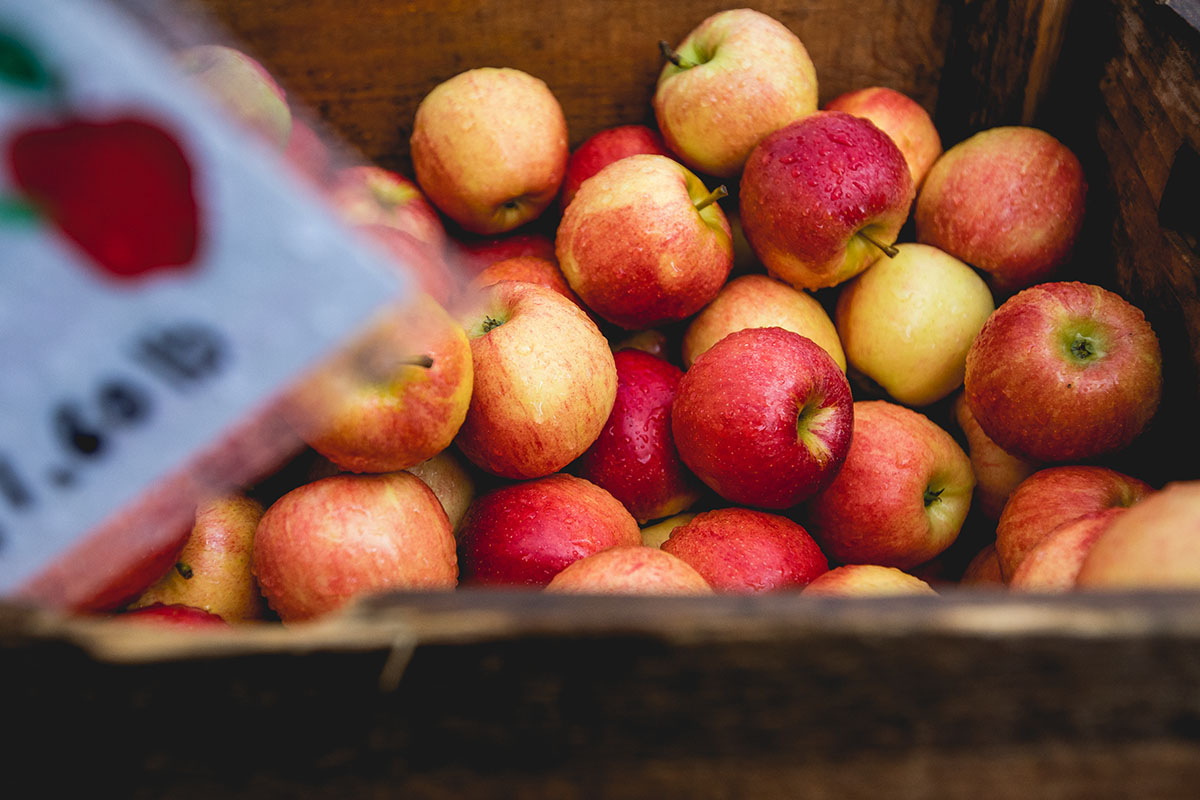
(591, 391)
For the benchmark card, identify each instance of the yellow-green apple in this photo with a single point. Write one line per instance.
(173, 615)
(1054, 495)
(759, 301)
(1154, 545)
(900, 117)
(525, 533)
(1053, 564)
(984, 569)
(394, 398)
(629, 569)
(745, 551)
(651, 340)
(417, 260)
(606, 146)
(997, 472)
(241, 85)
(1064, 371)
(531, 269)
(820, 198)
(325, 543)
(902, 495)
(473, 254)
(764, 418)
(643, 242)
(634, 457)
(450, 481)
(655, 534)
(1009, 201)
(866, 580)
(908, 321)
(738, 75)
(545, 380)
(212, 571)
(489, 148)
(371, 195)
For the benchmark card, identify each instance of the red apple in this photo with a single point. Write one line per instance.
(243, 86)
(609, 145)
(326, 543)
(371, 195)
(634, 457)
(629, 569)
(902, 495)
(764, 417)
(474, 254)
(1054, 495)
(525, 533)
(1064, 372)
(417, 260)
(817, 193)
(643, 244)
(308, 154)
(531, 269)
(997, 472)
(173, 615)
(900, 117)
(743, 551)
(866, 580)
(1008, 201)
(1052, 565)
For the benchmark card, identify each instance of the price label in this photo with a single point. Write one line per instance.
(162, 277)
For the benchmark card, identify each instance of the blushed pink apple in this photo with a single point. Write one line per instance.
(984, 569)
(1052, 565)
(370, 195)
(243, 86)
(473, 254)
(629, 569)
(866, 580)
(417, 260)
(900, 117)
(531, 269)
(606, 146)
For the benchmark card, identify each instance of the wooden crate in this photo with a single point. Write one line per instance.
(519, 695)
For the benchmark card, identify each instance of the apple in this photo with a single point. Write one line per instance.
(416, 260)
(655, 534)
(759, 301)
(1064, 371)
(525, 533)
(371, 195)
(1054, 495)
(764, 418)
(1009, 201)
(489, 148)
(173, 615)
(902, 494)
(396, 397)
(450, 481)
(984, 569)
(900, 117)
(997, 472)
(908, 321)
(212, 571)
(1154, 545)
(531, 269)
(241, 85)
(820, 198)
(634, 457)
(643, 243)
(308, 154)
(745, 551)
(866, 580)
(326, 543)
(629, 569)
(606, 146)
(1053, 564)
(545, 381)
(473, 254)
(652, 341)
(738, 76)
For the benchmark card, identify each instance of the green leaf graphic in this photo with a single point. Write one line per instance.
(19, 66)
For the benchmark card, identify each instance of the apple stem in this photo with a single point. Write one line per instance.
(185, 570)
(674, 57)
(932, 496)
(491, 323)
(712, 197)
(889, 249)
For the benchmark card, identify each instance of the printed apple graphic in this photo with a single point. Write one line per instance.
(629, 569)
(866, 580)
(1053, 564)
(525, 533)
(997, 472)
(606, 146)
(643, 243)
(820, 198)
(634, 456)
(738, 76)
(489, 148)
(764, 418)
(1064, 371)
(900, 117)
(745, 551)
(243, 86)
(1009, 201)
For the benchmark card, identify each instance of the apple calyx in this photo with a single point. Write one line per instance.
(491, 323)
(712, 197)
(184, 570)
(673, 56)
(890, 250)
(932, 496)
(1085, 348)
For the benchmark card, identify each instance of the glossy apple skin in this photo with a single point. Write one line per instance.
(1064, 371)
(243, 86)
(370, 411)
(370, 195)
(635, 248)
(997, 472)
(1155, 545)
(810, 186)
(325, 543)
(752, 76)
(545, 381)
(866, 580)
(764, 417)
(606, 146)
(531, 269)
(759, 301)
(629, 569)
(450, 481)
(474, 254)
(745, 551)
(907, 322)
(212, 571)
(1009, 201)
(1054, 562)
(900, 117)
(902, 494)
(1054, 495)
(634, 457)
(173, 615)
(525, 533)
(489, 148)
